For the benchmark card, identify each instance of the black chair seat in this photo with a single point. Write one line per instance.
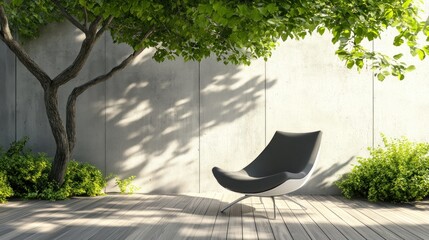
(242, 182)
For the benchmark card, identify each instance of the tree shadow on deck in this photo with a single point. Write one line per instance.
(196, 217)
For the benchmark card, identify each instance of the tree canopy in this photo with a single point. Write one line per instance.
(238, 31)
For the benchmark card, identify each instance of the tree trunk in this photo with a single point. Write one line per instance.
(62, 154)
(71, 120)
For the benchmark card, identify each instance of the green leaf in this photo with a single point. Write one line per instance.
(380, 77)
(406, 4)
(321, 30)
(17, 2)
(421, 54)
(388, 14)
(398, 41)
(426, 49)
(410, 68)
(398, 56)
(359, 63)
(350, 64)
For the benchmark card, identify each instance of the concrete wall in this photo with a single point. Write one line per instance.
(7, 96)
(170, 123)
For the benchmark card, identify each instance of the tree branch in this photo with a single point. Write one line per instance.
(69, 17)
(85, 15)
(21, 54)
(71, 102)
(73, 70)
(80, 89)
(4, 24)
(106, 24)
(94, 25)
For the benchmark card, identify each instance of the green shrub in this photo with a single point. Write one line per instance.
(397, 172)
(5, 190)
(27, 174)
(126, 185)
(83, 179)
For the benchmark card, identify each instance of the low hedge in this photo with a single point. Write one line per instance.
(395, 172)
(5, 189)
(26, 173)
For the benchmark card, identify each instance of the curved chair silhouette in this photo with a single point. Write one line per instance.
(284, 166)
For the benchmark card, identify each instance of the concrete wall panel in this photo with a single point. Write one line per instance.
(401, 107)
(152, 122)
(232, 117)
(54, 50)
(7, 96)
(315, 91)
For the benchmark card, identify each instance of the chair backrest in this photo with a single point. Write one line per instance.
(291, 152)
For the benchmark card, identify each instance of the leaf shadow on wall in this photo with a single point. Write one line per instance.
(156, 113)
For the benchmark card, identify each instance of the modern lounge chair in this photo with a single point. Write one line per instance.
(284, 166)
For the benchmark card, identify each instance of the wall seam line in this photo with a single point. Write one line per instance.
(199, 126)
(105, 107)
(265, 107)
(16, 96)
(373, 100)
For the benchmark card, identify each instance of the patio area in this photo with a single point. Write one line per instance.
(197, 216)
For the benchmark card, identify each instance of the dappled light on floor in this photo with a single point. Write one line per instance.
(197, 216)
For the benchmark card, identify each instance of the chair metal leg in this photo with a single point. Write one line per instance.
(274, 205)
(236, 201)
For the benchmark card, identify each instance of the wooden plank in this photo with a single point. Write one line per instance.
(176, 221)
(19, 205)
(43, 220)
(191, 222)
(168, 205)
(419, 216)
(205, 228)
(311, 227)
(262, 223)
(142, 215)
(380, 219)
(369, 222)
(248, 218)
(235, 226)
(26, 209)
(220, 229)
(278, 226)
(85, 227)
(124, 219)
(359, 226)
(343, 227)
(399, 219)
(324, 224)
(296, 230)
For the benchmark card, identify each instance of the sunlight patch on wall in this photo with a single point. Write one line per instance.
(80, 37)
(132, 150)
(142, 109)
(135, 85)
(142, 57)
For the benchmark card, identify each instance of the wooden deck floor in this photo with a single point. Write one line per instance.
(196, 216)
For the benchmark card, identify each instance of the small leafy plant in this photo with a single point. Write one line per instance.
(5, 189)
(397, 172)
(27, 175)
(26, 172)
(126, 185)
(84, 179)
